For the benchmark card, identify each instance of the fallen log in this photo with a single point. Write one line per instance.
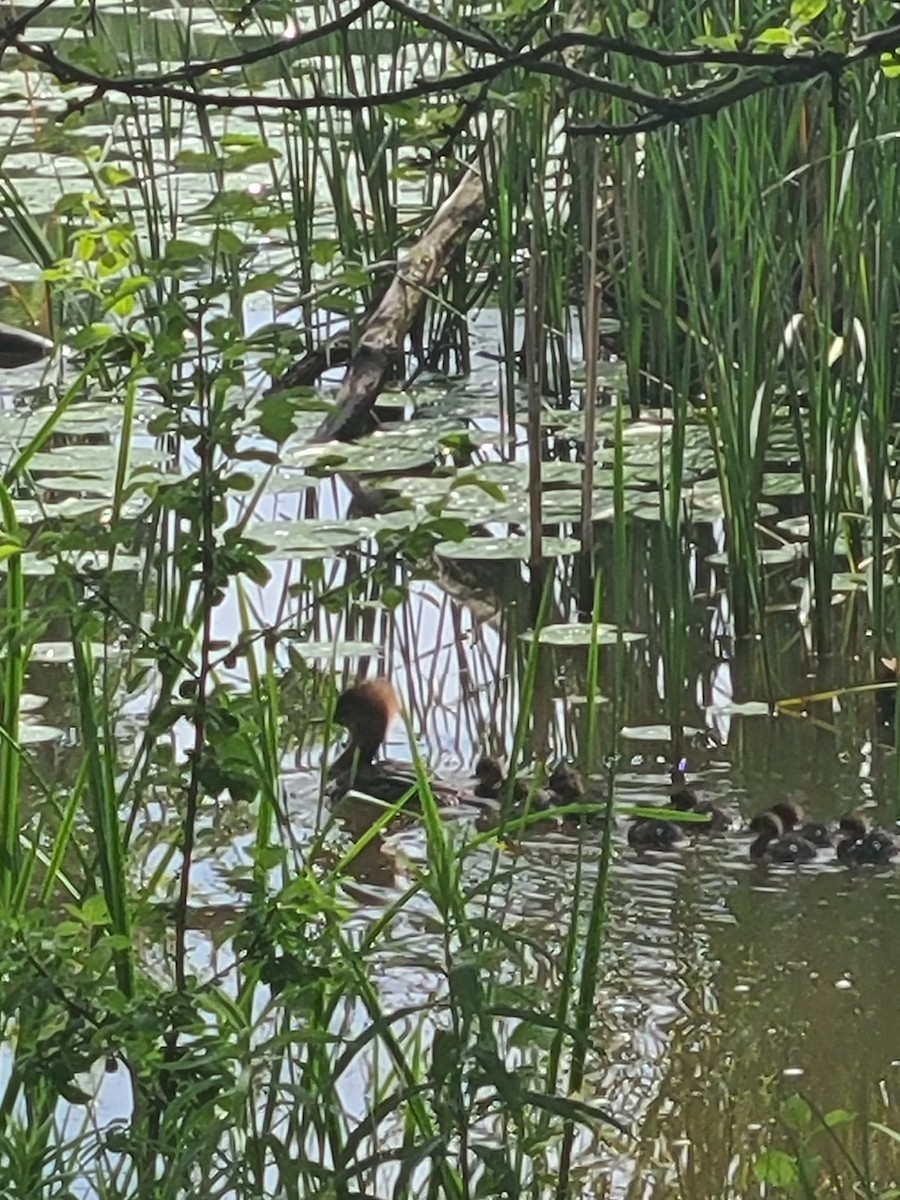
(383, 334)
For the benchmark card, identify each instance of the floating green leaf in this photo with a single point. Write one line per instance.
(510, 548)
(582, 635)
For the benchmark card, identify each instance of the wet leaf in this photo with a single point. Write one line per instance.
(582, 635)
(295, 539)
(804, 11)
(777, 1169)
(510, 548)
(796, 1113)
(750, 708)
(657, 733)
(334, 651)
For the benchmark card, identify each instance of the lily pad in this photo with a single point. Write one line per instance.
(582, 635)
(334, 651)
(55, 653)
(35, 735)
(380, 454)
(771, 556)
(731, 708)
(515, 474)
(30, 512)
(287, 480)
(657, 733)
(89, 561)
(512, 548)
(308, 537)
(96, 460)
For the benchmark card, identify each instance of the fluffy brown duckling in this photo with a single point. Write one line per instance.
(567, 784)
(490, 777)
(860, 845)
(527, 799)
(684, 799)
(775, 844)
(793, 820)
(654, 833)
(366, 711)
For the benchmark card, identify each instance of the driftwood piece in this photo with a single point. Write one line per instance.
(383, 335)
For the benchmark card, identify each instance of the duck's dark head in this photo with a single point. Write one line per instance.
(365, 711)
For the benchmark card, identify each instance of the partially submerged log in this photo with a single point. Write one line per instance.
(21, 347)
(386, 329)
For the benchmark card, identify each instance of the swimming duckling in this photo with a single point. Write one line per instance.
(774, 844)
(653, 833)
(861, 845)
(816, 834)
(684, 799)
(366, 711)
(567, 785)
(490, 777)
(791, 816)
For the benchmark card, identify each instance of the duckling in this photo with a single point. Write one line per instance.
(530, 801)
(816, 834)
(774, 844)
(861, 845)
(684, 799)
(568, 786)
(490, 776)
(791, 816)
(366, 712)
(652, 833)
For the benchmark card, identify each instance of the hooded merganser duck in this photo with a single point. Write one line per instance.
(861, 845)
(366, 711)
(684, 799)
(775, 844)
(793, 820)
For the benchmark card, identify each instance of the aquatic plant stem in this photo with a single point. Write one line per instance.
(206, 481)
(13, 676)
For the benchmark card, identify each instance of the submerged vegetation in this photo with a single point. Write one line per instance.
(545, 361)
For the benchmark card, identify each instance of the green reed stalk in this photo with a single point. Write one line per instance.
(534, 362)
(12, 673)
(589, 221)
(98, 739)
